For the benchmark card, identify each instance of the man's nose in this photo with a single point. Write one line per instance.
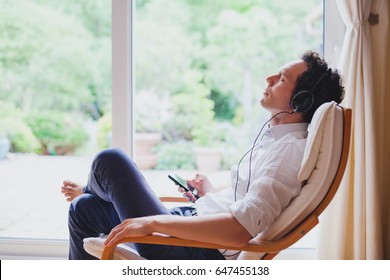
(270, 80)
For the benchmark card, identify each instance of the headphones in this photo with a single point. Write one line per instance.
(303, 100)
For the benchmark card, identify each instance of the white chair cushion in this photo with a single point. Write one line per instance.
(323, 122)
(95, 246)
(319, 166)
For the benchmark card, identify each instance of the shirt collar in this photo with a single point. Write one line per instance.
(278, 131)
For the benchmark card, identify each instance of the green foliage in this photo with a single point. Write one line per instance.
(245, 41)
(150, 111)
(178, 128)
(8, 109)
(149, 116)
(164, 49)
(175, 156)
(207, 134)
(93, 14)
(21, 136)
(58, 133)
(192, 112)
(104, 131)
(13, 127)
(225, 106)
(50, 60)
(209, 58)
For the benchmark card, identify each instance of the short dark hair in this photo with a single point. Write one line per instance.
(327, 82)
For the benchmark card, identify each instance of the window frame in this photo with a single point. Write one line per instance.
(334, 30)
(123, 74)
(123, 12)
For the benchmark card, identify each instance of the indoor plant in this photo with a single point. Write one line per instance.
(149, 115)
(207, 140)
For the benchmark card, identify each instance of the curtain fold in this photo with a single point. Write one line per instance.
(353, 225)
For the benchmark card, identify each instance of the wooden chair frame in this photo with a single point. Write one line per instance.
(270, 248)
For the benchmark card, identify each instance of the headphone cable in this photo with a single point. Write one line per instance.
(251, 153)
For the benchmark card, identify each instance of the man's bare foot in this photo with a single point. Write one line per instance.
(71, 190)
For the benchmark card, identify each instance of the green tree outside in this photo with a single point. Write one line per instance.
(209, 58)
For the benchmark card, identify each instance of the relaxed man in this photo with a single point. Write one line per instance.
(119, 202)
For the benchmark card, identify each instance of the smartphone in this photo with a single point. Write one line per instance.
(182, 183)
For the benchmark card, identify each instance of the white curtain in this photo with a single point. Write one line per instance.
(353, 227)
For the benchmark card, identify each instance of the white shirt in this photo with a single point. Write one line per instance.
(276, 161)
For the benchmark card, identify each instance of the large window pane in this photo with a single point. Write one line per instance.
(55, 69)
(200, 68)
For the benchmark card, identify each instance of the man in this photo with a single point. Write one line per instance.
(118, 201)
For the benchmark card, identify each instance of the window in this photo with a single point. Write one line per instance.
(199, 71)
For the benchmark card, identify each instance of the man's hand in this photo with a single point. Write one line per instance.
(200, 183)
(71, 190)
(136, 227)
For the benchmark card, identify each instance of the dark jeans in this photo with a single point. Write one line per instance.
(116, 190)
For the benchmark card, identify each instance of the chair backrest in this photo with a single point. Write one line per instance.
(322, 169)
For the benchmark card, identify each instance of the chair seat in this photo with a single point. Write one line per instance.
(95, 246)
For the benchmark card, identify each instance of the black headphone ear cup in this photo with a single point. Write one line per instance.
(302, 101)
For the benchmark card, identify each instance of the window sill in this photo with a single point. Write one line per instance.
(33, 249)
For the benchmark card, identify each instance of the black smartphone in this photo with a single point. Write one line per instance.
(182, 183)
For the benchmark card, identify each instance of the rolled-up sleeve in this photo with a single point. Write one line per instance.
(274, 183)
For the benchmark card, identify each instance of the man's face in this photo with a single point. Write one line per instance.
(276, 97)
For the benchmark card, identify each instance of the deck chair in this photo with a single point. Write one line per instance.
(322, 169)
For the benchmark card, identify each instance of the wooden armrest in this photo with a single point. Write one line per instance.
(173, 199)
(262, 246)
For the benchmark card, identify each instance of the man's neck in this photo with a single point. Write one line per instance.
(287, 119)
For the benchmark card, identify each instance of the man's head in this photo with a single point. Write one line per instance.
(323, 83)
(280, 87)
(308, 79)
